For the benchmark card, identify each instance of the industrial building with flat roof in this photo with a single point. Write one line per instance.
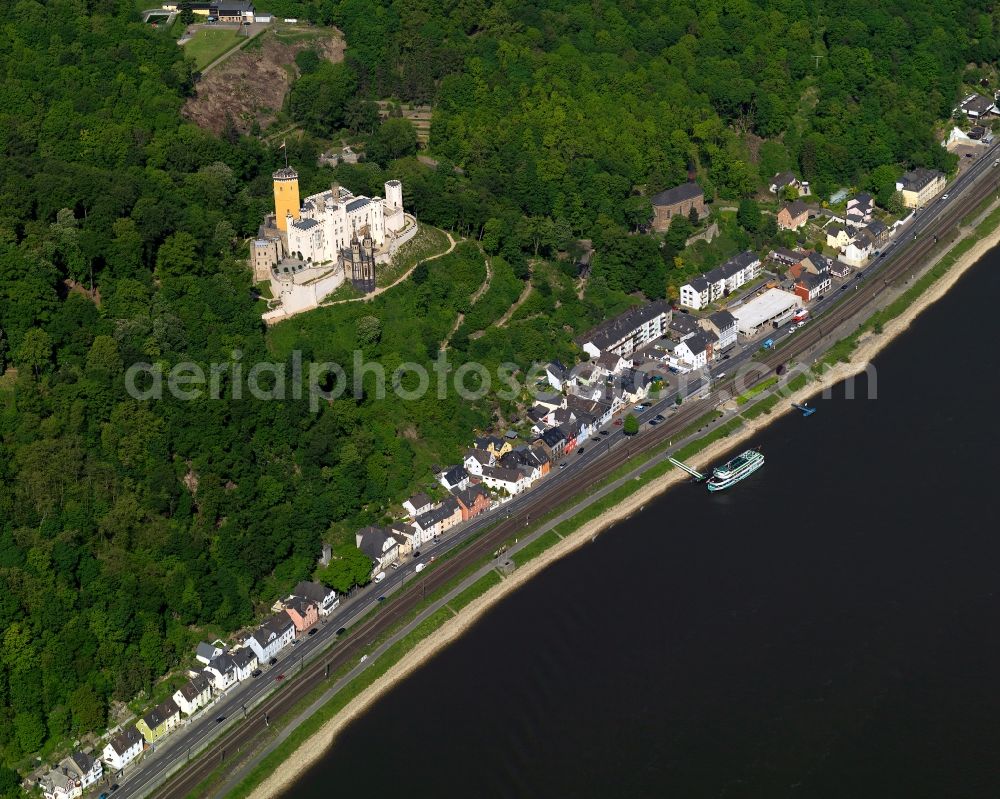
(774, 305)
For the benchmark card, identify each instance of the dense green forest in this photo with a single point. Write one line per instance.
(128, 527)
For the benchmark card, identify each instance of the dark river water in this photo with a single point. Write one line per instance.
(828, 628)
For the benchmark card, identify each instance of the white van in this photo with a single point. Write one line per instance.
(420, 567)
(379, 577)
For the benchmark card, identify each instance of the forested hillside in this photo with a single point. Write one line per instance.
(128, 527)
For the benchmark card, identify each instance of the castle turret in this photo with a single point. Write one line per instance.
(286, 196)
(394, 220)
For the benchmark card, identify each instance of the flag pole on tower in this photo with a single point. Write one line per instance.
(286, 152)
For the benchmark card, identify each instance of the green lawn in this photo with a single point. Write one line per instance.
(207, 45)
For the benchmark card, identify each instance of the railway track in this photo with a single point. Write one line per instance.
(553, 494)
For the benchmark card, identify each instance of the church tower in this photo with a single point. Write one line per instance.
(286, 196)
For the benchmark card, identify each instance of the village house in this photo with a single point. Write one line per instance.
(500, 479)
(406, 536)
(271, 637)
(558, 376)
(975, 106)
(599, 410)
(634, 388)
(244, 662)
(677, 201)
(498, 447)
(532, 458)
(417, 504)
(859, 209)
(439, 520)
(205, 652)
(839, 269)
(61, 782)
(455, 477)
(222, 671)
(552, 442)
(837, 236)
(814, 262)
(695, 351)
(878, 232)
(124, 747)
(810, 286)
(89, 768)
(785, 257)
(159, 721)
(793, 215)
(325, 598)
(723, 325)
(859, 250)
(475, 460)
(71, 777)
(919, 186)
(627, 332)
(303, 613)
(194, 695)
(378, 545)
(472, 501)
(612, 364)
(784, 180)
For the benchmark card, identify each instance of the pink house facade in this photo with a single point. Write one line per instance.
(303, 613)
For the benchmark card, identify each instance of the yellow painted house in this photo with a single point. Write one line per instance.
(496, 446)
(159, 721)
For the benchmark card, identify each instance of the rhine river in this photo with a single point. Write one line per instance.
(828, 628)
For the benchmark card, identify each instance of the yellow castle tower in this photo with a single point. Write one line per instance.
(286, 196)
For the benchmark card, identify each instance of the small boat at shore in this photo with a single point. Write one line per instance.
(806, 410)
(732, 471)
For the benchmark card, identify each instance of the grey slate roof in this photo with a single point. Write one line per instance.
(782, 179)
(159, 714)
(686, 191)
(467, 496)
(206, 651)
(697, 343)
(723, 320)
(317, 592)
(553, 437)
(360, 202)
(419, 500)
(243, 657)
(191, 690)
(305, 224)
(456, 474)
(916, 179)
(372, 541)
(438, 514)
(613, 330)
(83, 761)
(811, 281)
(125, 739)
(500, 473)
